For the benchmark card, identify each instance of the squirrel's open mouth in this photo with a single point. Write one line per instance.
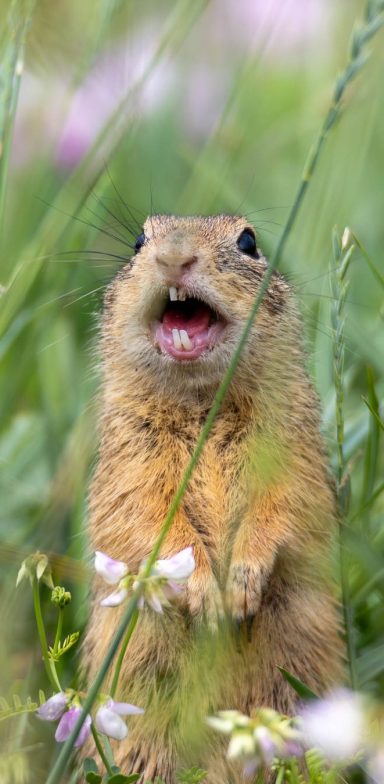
(187, 326)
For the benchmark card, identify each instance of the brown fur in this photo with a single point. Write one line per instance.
(259, 510)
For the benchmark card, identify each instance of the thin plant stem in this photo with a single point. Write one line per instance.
(49, 665)
(130, 630)
(59, 630)
(108, 750)
(101, 751)
(354, 64)
(342, 256)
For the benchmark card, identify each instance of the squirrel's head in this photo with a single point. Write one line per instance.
(179, 307)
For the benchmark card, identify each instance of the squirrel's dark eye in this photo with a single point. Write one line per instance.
(247, 243)
(139, 242)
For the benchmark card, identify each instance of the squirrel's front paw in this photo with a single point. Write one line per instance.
(244, 589)
(204, 599)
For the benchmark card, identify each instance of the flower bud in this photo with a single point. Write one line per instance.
(53, 708)
(60, 597)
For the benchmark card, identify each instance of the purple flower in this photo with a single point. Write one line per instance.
(67, 723)
(110, 570)
(53, 708)
(108, 718)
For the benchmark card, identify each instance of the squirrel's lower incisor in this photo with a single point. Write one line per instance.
(259, 510)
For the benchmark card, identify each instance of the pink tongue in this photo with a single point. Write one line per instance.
(180, 316)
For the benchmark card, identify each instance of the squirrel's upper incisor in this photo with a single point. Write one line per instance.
(259, 509)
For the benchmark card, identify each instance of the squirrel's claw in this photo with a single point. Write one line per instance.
(205, 601)
(244, 590)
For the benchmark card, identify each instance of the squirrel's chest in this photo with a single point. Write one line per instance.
(214, 499)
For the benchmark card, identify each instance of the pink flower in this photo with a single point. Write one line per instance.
(108, 718)
(67, 723)
(53, 708)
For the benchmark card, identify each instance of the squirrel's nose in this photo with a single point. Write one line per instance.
(175, 265)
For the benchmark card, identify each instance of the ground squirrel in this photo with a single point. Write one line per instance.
(259, 511)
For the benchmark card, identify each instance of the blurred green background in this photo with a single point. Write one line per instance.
(125, 109)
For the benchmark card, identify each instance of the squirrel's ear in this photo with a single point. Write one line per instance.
(246, 242)
(140, 242)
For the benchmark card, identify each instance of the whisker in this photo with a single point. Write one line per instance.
(333, 299)
(85, 222)
(93, 252)
(137, 221)
(117, 236)
(84, 296)
(115, 217)
(55, 299)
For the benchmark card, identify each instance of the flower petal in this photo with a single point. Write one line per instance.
(67, 723)
(110, 570)
(172, 589)
(220, 724)
(265, 744)
(123, 708)
(115, 598)
(241, 745)
(154, 602)
(84, 732)
(335, 725)
(53, 708)
(179, 567)
(109, 722)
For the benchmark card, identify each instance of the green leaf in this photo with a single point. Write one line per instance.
(370, 664)
(191, 775)
(90, 765)
(7, 711)
(300, 688)
(93, 778)
(63, 647)
(120, 778)
(91, 772)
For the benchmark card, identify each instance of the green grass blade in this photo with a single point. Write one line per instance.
(372, 445)
(12, 56)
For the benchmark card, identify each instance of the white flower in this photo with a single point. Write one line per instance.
(226, 721)
(108, 718)
(115, 598)
(241, 745)
(178, 567)
(110, 570)
(165, 581)
(257, 740)
(335, 725)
